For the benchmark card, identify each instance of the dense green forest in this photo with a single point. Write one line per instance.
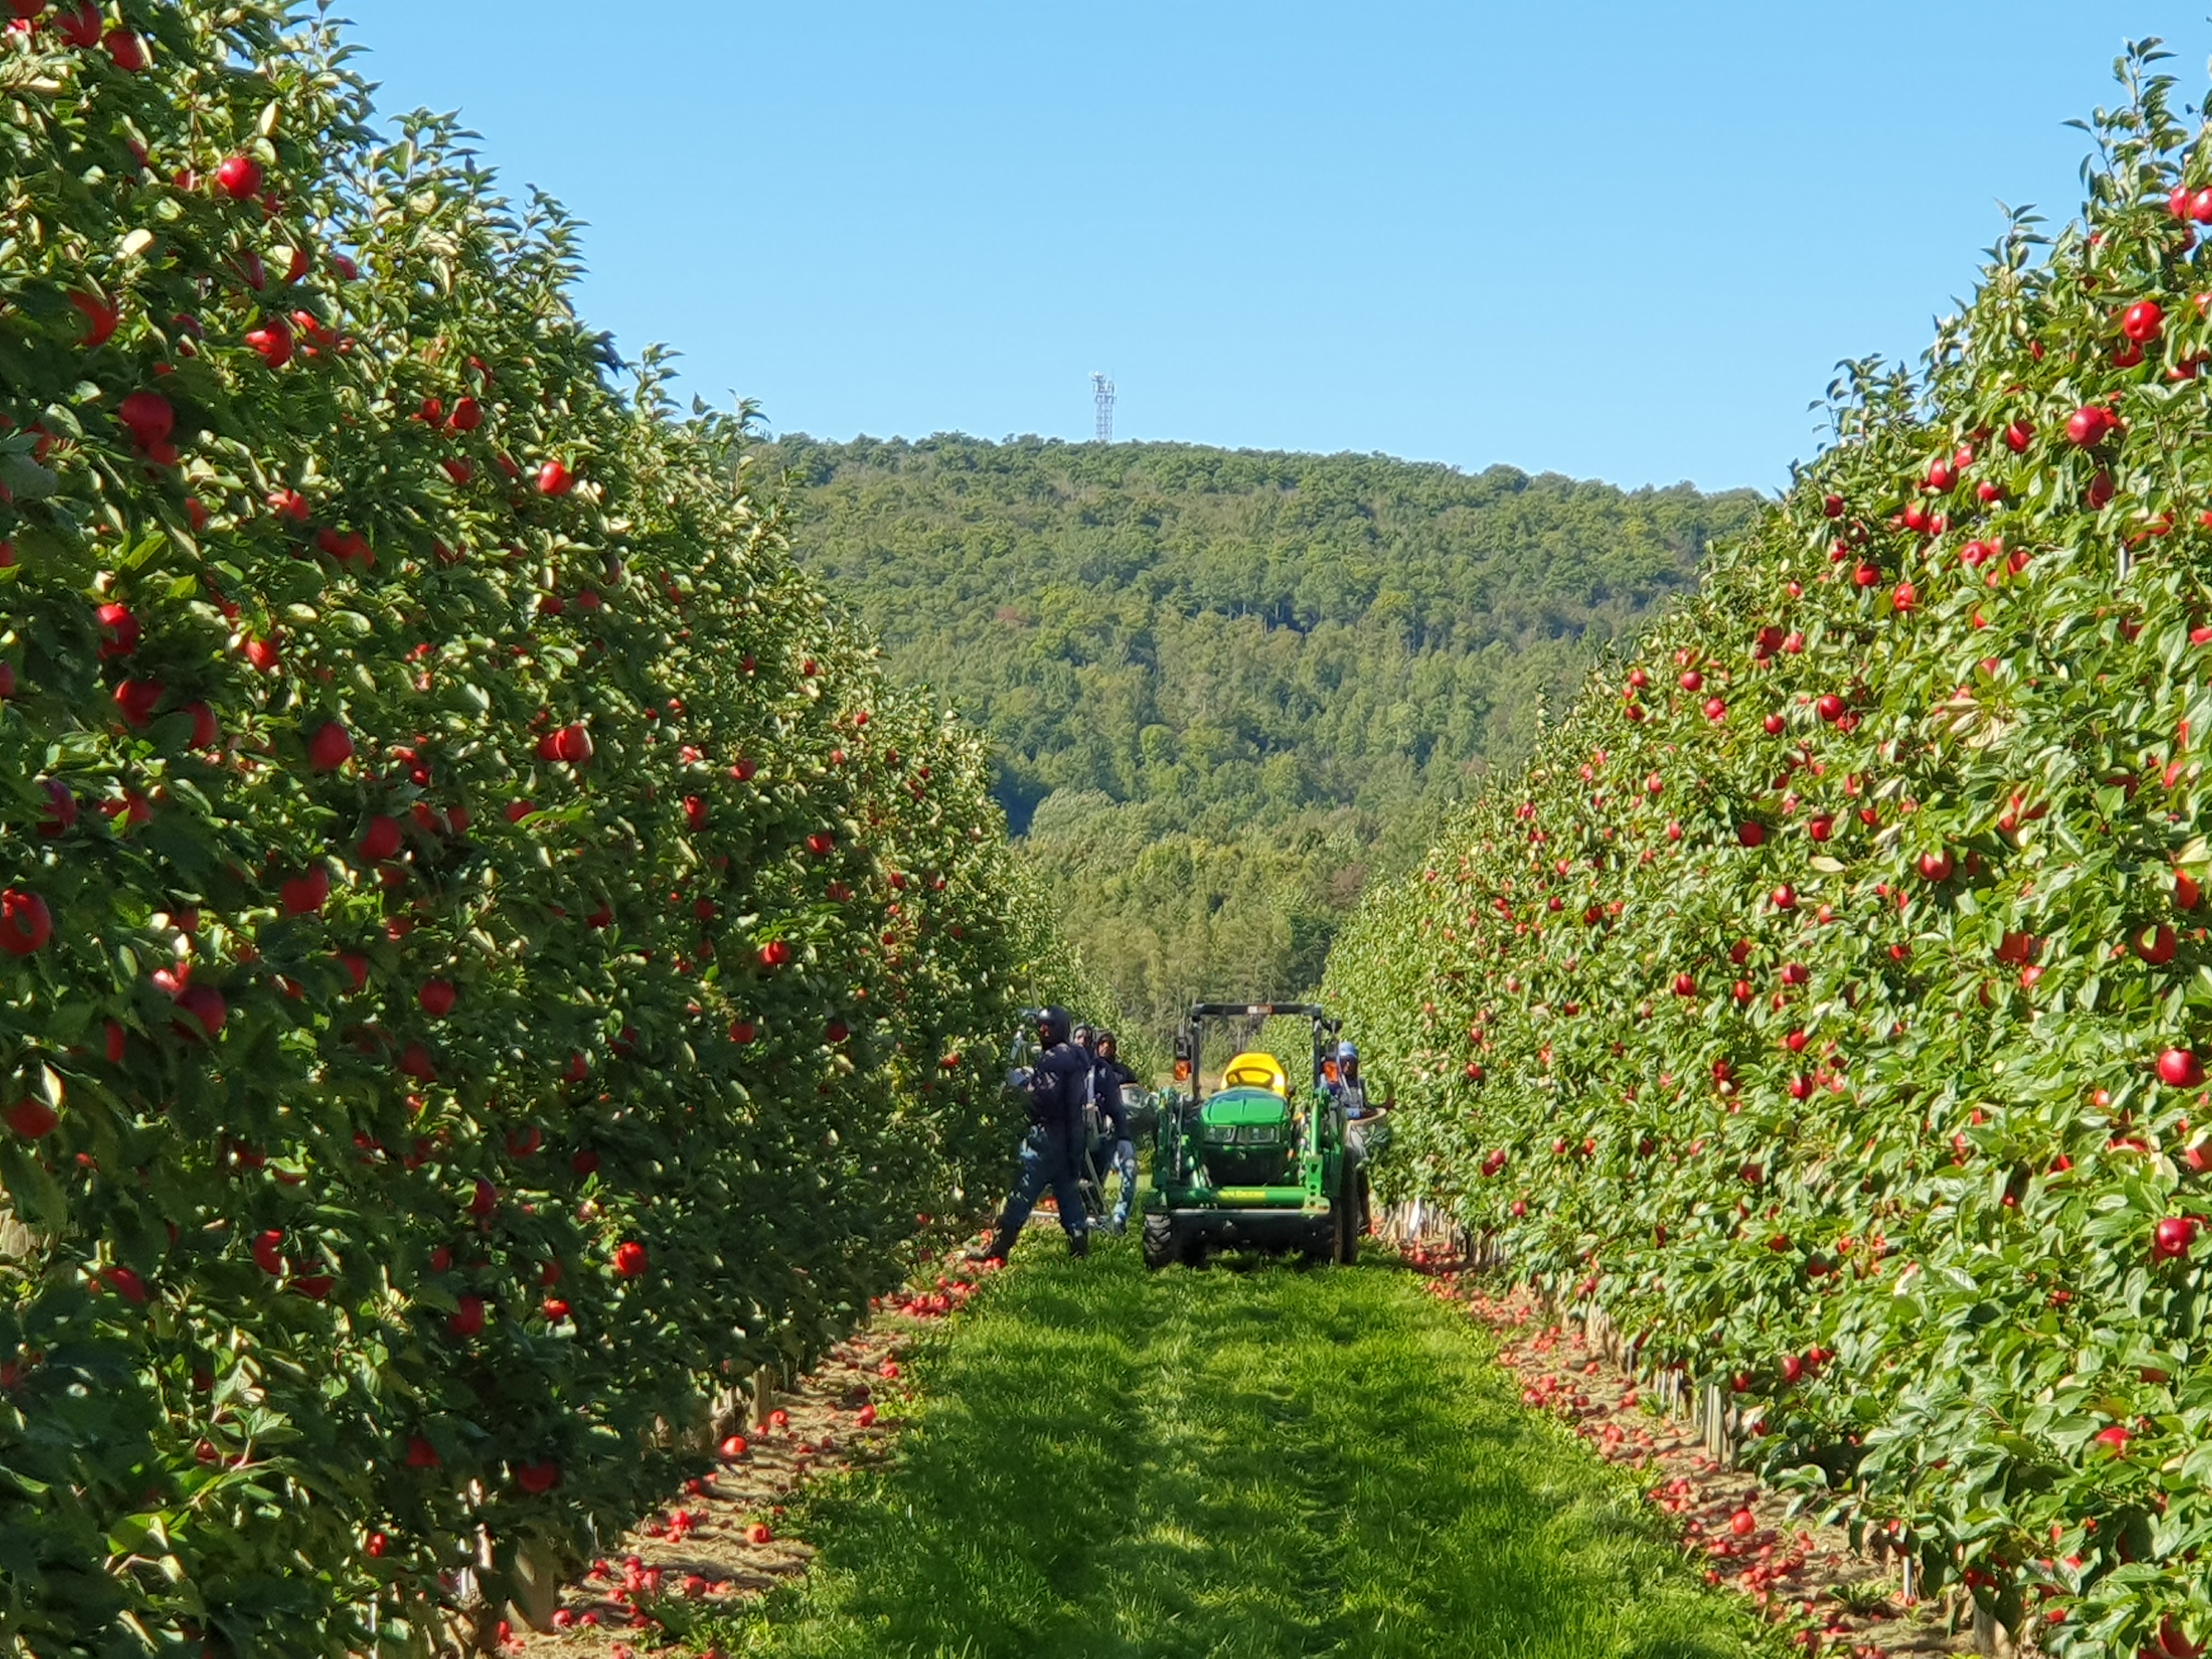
(1228, 688)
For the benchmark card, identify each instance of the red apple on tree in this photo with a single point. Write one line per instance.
(34, 1119)
(99, 318)
(200, 1012)
(2155, 945)
(120, 631)
(26, 924)
(149, 417)
(136, 700)
(240, 176)
(537, 1478)
(304, 895)
(2142, 321)
(2088, 426)
(570, 745)
(2179, 1068)
(329, 746)
(379, 839)
(272, 343)
(2173, 1237)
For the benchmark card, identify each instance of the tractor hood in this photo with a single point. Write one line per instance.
(1244, 1138)
(1244, 1109)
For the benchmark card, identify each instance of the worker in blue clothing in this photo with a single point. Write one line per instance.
(1348, 1086)
(1053, 1086)
(1361, 1117)
(1108, 1075)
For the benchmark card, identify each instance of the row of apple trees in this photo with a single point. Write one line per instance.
(485, 957)
(1829, 999)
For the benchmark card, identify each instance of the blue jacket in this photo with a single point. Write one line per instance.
(1106, 1076)
(1057, 1080)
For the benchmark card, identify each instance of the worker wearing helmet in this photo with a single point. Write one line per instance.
(1053, 1087)
(1349, 1088)
(1361, 1122)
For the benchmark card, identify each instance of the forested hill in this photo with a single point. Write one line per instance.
(1225, 685)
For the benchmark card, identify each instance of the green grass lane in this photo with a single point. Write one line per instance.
(1246, 1461)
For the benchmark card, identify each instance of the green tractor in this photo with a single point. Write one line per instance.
(1256, 1164)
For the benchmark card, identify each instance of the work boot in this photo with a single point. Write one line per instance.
(1079, 1243)
(1001, 1246)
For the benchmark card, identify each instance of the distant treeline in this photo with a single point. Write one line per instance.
(1227, 688)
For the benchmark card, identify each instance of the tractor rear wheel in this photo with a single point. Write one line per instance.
(1162, 1248)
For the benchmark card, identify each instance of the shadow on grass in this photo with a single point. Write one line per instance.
(1264, 1461)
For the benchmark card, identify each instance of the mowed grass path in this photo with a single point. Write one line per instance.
(1244, 1461)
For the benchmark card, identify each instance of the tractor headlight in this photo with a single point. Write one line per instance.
(1217, 1133)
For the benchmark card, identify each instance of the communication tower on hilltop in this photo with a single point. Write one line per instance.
(1102, 393)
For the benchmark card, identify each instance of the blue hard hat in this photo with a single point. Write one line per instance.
(1346, 1051)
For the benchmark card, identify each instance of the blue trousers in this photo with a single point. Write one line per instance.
(1048, 1160)
(1125, 1165)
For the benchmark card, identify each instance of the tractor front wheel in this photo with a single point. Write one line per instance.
(1345, 1219)
(1162, 1248)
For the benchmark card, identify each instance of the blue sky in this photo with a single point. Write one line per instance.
(1616, 241)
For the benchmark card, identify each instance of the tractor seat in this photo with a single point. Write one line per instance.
(1257, 1071)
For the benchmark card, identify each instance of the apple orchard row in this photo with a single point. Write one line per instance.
(1828, 999)
(487, 960)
